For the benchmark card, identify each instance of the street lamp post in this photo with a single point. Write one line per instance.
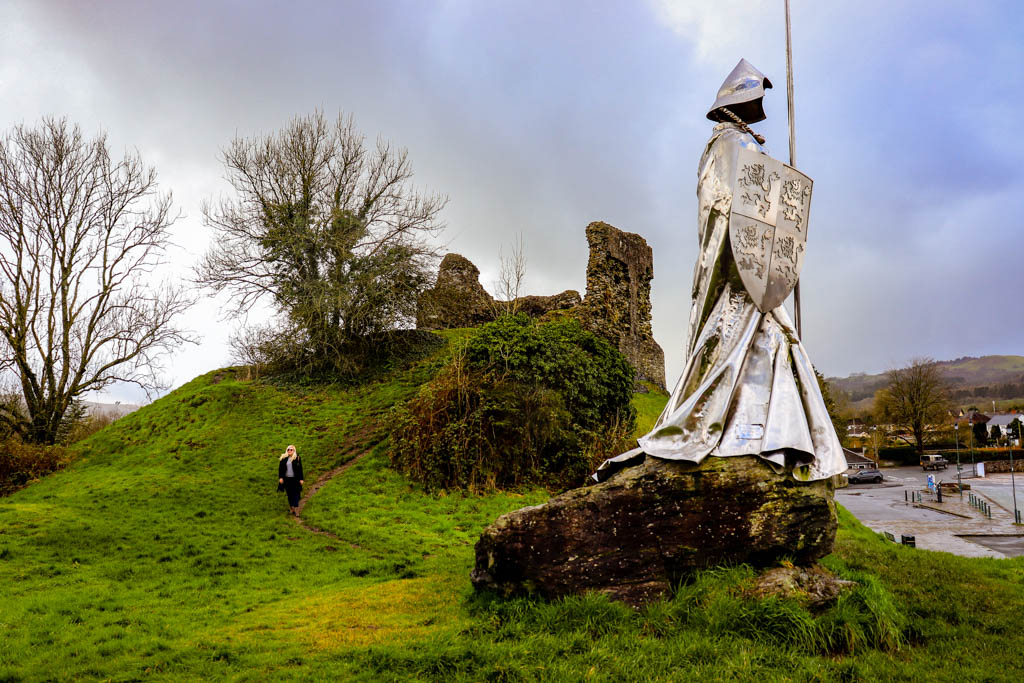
(970, 425)
(1013, 484)
(956, 438)
(874, 440)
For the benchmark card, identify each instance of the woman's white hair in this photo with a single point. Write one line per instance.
(295, 452)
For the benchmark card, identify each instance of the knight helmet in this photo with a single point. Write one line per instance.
(742, 93)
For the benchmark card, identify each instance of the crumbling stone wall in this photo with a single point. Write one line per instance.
(537, 306)
(617, 305)
(459, 300)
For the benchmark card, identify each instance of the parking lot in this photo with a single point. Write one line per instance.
(953, 525)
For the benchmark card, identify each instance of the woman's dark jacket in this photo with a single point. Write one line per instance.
(296, 468)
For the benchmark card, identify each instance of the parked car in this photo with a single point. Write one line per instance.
(932, 461)
(871, 476)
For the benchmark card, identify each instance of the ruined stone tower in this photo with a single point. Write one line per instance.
(617, 305)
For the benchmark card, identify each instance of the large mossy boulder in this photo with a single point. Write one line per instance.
(643, 530)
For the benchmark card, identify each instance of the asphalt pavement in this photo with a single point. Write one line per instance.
(954, 525)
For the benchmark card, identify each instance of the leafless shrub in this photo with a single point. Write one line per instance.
(510, 279)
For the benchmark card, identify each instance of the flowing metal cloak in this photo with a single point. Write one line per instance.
(748, 387)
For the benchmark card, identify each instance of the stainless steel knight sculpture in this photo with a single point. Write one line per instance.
(748, 387)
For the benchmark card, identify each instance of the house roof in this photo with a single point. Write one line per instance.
(853, 457)
(1003, 420)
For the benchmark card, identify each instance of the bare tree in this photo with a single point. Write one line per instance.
(916, 398)
(80, 237)
(331, 232)
(510, 279)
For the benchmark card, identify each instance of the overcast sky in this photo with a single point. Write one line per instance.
(539, 117)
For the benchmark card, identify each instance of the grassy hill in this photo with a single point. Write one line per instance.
(164, 552)
(973, 381)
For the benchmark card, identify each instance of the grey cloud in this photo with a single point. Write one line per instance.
(540, 117)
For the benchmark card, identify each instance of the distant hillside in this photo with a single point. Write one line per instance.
(114, 410)
(974, 381)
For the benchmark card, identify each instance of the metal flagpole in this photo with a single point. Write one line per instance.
(792, 149)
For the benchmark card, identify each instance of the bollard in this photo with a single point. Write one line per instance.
(905, 495)
(938, 493)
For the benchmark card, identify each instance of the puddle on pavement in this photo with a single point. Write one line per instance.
(1010, 545)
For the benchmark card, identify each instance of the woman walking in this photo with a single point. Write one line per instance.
(289, 475)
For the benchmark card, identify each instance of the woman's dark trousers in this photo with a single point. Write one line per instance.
(294, 490)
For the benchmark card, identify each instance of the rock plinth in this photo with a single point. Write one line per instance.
(617, 305)
(635, 535)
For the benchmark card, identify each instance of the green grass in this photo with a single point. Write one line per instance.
(164, 552)
(648, 408)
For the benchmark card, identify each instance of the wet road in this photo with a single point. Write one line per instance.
(953, 525)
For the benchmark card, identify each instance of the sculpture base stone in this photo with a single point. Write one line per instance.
(635, 535)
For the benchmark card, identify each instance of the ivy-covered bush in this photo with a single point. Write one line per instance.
(22, 463)
(518, 403)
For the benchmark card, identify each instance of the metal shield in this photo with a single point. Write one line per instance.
(771, 205)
